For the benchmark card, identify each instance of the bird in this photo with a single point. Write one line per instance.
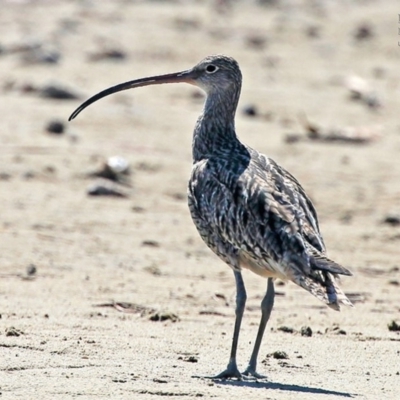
(251, 212)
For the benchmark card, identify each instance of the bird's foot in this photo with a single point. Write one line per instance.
(227, 374)
(231, 372)
(252, 374)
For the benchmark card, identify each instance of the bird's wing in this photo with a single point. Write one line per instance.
(262, 210)
(292, 215)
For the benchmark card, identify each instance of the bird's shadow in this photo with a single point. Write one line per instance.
(281, 386)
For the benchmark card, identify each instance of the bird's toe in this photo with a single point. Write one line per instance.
(251, 374)
(231, 372)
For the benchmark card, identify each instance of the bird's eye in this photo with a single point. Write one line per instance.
(211, 69)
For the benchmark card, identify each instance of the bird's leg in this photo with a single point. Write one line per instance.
(241, 296)
(266, 308)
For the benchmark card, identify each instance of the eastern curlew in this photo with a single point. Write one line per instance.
(250, 211)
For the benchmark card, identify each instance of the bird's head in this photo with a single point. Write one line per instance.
(213, 74)
(216, 73)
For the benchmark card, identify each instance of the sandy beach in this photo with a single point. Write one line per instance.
(116, 296)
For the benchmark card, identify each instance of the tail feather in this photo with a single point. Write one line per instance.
(324, 287)
(320, 280)
(319, 261)
(335, 294)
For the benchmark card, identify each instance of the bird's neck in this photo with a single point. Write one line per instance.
(214, 133)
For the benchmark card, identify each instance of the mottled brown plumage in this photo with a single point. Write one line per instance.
(250, 211)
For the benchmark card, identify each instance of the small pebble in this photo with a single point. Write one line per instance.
(31, 270)
(306, 331)
(286, 329)
(118, 165)
(150, 243)
(55, 126)
(159, 316)
(364, 31)
(57, 92)
(336, 329)
(279, 355)
(115, 169)
(29, 175)
(250, 110)
(156, 380)
(393, 220)
(394, 326)
(11, 331)
(191, 359)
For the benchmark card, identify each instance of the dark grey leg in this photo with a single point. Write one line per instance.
(241, 296)
(266, 308)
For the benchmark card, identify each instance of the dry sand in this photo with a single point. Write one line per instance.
(144, 249)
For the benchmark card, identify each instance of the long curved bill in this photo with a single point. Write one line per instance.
(184, 76)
